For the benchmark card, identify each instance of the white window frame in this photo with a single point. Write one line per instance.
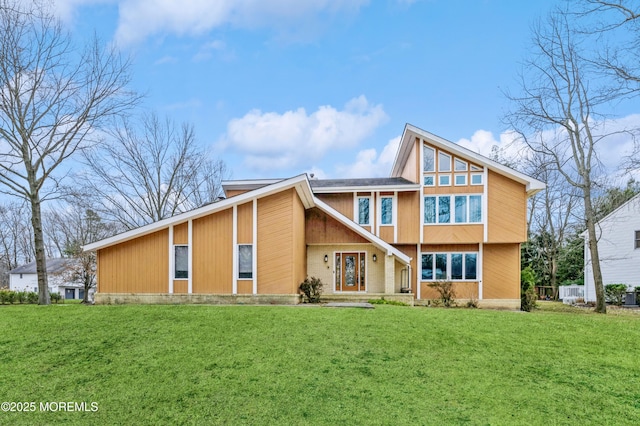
(357, 209)
(475, 175)
(435, 154)
(465, 165)
(433, 181)
(440, 176)
(393, 215)
(462, 175)
(251, 265)
(452, 209)
(440, 163)
(174, 263)
(449, 263)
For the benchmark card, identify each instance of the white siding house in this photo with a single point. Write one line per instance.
(25, 278)
(619, 249)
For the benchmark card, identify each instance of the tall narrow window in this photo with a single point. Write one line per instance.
(461, 208)
(363, 210)
(470, 268)
(444, 209)
(429, 209)
(456, 266)
(387, 211)
(475, 208)
(245, 261)
(441, 266)
(427, 267)
(181, 262)
(428, 159)
(444, 162)
(637, 239)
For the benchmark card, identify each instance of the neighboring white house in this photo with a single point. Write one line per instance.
(618, 247)
(25, 278)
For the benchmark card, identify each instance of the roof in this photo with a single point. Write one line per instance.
(54, 266)
(300, 183)
(533, 186)
(614, 213)
(365, 184)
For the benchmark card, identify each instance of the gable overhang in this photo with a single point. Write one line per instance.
(367, 188)
(247, 184)
(300, 183)
(410, 133)
(376, 241)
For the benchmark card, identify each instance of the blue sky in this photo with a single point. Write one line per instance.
(281, 87)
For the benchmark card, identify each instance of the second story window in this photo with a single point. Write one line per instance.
(363, 210)
(428, 159)
(386, 211)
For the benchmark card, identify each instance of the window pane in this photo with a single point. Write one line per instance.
(444, 209)
(427, 266)
(460, 165)
(429, 209)
(441, 266)
(445, 180)
(363, 211)
(461, 208)
(363, 258)
(428, 159)
(444, 162)
(475, 208)
(637, 239)
(181, 261)
(456, 266)
(470, 266)
(429, 180)
(476, 179)
(338, 271)
(387, 211)
(461, 179)
(245, 261)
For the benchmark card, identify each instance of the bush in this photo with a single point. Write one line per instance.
(11, 296)
(527, 289)
(312, 289)
(55, 297)
(446, 291)
(21, 296)
(382, 301)
(32, 297)
(615, 293)
(3, 296)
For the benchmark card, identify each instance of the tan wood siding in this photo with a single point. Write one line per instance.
(507, 210)
(411, 169)
(245, 223)
(462, 290)
(181, 233)
(180, 286)
(234, 192)
(449, 248)
(137, 266)
(386, 233)
(213, 253)
(275, 243)
(341, 202)
(245, 287)
(322, 229)
(501, 271)
(300, 243)
(445, 190)
(408, 217)
(442, 234)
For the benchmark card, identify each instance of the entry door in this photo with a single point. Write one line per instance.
(350, 272)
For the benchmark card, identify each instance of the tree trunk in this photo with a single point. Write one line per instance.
(41, 258)
(601, 306)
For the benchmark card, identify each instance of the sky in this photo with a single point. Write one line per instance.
(280, 87)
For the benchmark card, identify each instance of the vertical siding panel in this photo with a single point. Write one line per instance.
(408, 217)
(507, 205)
(245, 223)
(181, 233)
(501, 271)
(136, 266)
(213, 253)
(300, 244)
(341, 202)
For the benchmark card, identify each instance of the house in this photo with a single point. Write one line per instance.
(618, 248)
(25, 278)
(445, 213)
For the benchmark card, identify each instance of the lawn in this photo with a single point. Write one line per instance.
(310, 365)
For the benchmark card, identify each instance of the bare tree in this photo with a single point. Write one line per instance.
(70, 227)
(150, 174)
(16, 243)
(53, 98)
(556, 115)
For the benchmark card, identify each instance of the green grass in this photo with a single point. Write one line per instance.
(308, 365)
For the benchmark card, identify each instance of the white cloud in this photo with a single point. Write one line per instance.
(295, 139)
(369, 164)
